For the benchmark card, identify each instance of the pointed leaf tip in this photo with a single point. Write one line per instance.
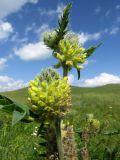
(78, 71)
(91, 50)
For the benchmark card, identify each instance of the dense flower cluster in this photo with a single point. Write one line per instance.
(50, 38)
(72, 37)
(50, 98)
(70, 54)
(48, 75)
(69, 51)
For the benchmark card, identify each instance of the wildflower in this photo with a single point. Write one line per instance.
(50, 98)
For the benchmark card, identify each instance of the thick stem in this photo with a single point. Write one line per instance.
(65, 71)
(59, 139)
(58, 128)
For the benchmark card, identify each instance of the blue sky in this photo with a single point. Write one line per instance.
(23, 54)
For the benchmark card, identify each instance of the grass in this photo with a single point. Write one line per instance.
(17, 143)
(17, 95)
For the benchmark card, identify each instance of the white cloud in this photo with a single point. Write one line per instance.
(8, 84)
(60, 8)
(97, 10)
(114, 30)
(3, 62)
(118, 6)
(33, 51)
(71, 78)
(4, 79)
(33, 1)
(5, 30)
(18, 40)
(45, 12)
(52, 12)
(30, 28)
(12, 6)
(38, 30)
(102, 79)
(106, 30)
(41, 30)
(84, 37)
(88, 62)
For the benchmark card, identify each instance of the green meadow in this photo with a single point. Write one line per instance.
(19, 143)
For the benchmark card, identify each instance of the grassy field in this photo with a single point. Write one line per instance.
(18, 143)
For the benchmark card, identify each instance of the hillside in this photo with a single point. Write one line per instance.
(94, 100)
(103, 102)
(17, 95)
(108, 90)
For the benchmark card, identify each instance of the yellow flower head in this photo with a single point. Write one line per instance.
(50, 98)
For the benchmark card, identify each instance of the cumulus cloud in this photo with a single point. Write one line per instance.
(30, 28)
(33, 1)
(102, 79)
(12, 6)
(8, 84)
(3, 62)
(60, 8)
(33, 51)
(5, 30)
(58, 11)
(15, 38)
(71, 78)
(84, 37)
(114, 30)
(41, 30)
(38, 30)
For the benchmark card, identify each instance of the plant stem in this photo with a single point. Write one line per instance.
(65, 71)
(59, 138)
(58, 127)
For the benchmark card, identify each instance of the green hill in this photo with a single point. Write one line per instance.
(107, 90)
(103, 102)
(96, 100)
(17, 95)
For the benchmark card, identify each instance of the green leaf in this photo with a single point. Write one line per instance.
(19, 111)
(62, 25)
(58, 65)
(17, 116)
(90, 50)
